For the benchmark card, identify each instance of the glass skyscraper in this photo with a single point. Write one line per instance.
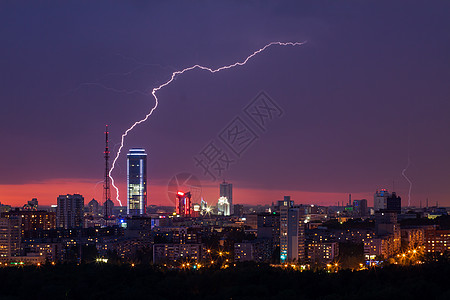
(226, 190)
(292, 232)
(136, 182)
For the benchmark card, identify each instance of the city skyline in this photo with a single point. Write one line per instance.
(359, 107)
(231, 149)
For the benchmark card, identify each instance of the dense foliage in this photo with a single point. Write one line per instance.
(245, 281)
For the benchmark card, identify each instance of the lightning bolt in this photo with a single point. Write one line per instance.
(175, 74)
(407, 179)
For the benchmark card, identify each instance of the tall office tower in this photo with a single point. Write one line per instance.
(394, 203)
(284, 207)
(223, 206)
(380, 199)
(183, 204)
(10, 236)
(360, 207)
(292, 232)
(226, 190)
(69, 212)
(137, 182)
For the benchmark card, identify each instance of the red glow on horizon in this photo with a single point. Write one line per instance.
(48, 191)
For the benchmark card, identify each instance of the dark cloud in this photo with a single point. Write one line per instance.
(370, 85)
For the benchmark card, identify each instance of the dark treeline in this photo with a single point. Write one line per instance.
(245, 281)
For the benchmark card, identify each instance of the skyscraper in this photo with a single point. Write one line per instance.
(360, 207)
(383, 200)
(136, 182)
(292, 232)
(394, 203)
(226, 190)
(380, 199)
(69, 212)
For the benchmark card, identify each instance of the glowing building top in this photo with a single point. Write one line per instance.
(136, 182)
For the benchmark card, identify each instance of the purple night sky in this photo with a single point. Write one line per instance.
(370, 87)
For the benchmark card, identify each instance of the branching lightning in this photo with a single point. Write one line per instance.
(174, 75)
(407, 179)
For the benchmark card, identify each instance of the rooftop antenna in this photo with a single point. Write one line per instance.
(106, 183)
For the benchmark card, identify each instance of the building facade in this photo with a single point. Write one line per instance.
(360, 208)
(394, 203)
(10, 237)
(136, 182)
(226, 190)
(32, 221)
(292, 232)
(437, 241)
(380, 199)
(69, 212)
(320, 254)
(223, 206)
(183, 204)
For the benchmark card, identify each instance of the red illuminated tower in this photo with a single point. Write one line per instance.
(106, 183)
(183, 204)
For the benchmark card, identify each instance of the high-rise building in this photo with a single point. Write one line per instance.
(10, 237)
(394, 203)
(284, 207)
(292, 232)
(226, 190)
(380, 199)
(136, 182)
(69, 212)
(269, 228)
(223, 206)
(387, 239)
(360, 207)
(183, 204)
(386, 223)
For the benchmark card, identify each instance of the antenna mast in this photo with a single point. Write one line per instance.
(106, 183)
